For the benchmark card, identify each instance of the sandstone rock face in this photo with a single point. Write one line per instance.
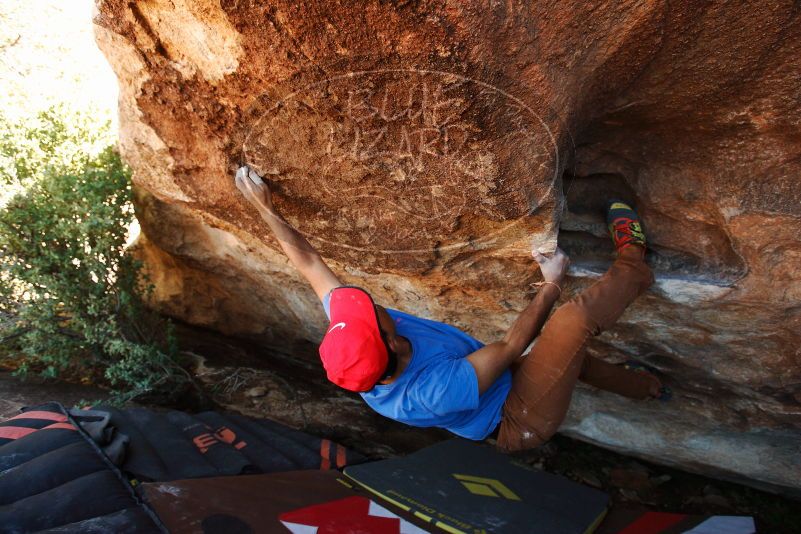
(425, 146)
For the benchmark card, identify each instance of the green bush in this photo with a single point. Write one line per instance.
(70, 295)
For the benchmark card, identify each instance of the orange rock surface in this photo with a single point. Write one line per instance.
(424, 147)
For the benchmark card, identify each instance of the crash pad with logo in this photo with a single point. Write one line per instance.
(176, 445)
(463, 486)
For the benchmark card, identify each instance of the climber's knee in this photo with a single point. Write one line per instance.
(573, 317)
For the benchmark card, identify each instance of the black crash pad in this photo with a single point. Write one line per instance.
(176, 445)
(54, 478)
(462, 486)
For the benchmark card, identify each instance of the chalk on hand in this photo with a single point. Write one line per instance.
(242, 172)
(255, 178)
(545, 247)
(246, 171)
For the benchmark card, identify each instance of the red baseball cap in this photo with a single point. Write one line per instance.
(354, 355)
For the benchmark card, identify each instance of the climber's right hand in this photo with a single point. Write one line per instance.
(254, 188)
(554, 267)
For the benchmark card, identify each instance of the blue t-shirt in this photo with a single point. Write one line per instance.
(439, 387)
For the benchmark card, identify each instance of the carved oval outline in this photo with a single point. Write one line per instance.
(352, 74)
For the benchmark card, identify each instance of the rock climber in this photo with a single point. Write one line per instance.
(429, 374)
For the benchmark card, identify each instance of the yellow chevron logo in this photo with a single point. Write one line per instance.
(487, 487)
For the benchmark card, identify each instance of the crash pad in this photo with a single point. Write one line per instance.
(54, 478)
(300, 502)
(640, 520)
(175, 445)
(463, 486)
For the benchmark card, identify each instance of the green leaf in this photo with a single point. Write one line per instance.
(66, 276)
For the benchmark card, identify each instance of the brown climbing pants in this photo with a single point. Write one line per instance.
(543, 381)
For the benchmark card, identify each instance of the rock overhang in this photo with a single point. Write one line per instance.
(690, 113)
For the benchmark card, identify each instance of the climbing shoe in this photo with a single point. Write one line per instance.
(624, 225)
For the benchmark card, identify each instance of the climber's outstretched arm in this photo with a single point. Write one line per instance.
(299, 251)
(492, 360)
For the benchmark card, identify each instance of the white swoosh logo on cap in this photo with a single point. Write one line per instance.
(338, 325)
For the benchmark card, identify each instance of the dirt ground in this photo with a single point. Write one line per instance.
(16, 393)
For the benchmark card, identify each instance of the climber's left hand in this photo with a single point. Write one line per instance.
(254, 188)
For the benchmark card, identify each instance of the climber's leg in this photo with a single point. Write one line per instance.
(544, 382)
(618, 379)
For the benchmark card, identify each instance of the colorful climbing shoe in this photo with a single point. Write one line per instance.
(624, 225)
(665, 393)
